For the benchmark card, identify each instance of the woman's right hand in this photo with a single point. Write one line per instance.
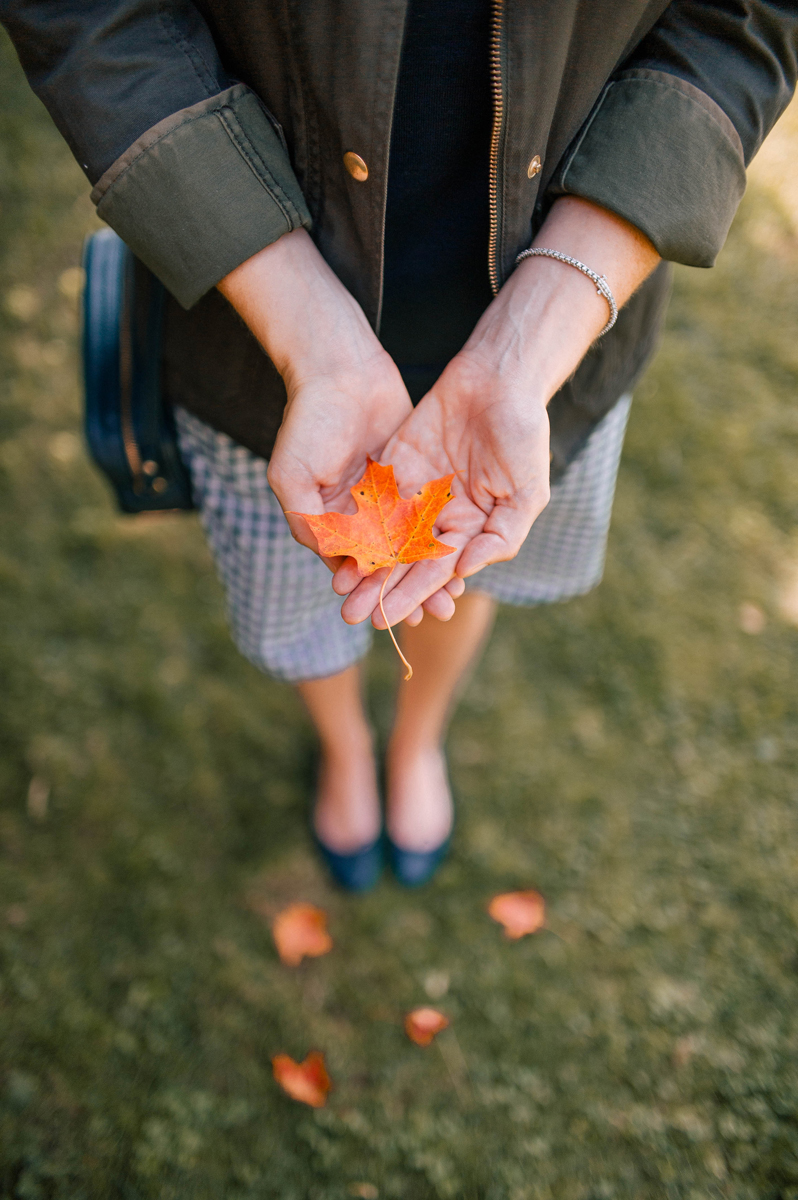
(346, 397)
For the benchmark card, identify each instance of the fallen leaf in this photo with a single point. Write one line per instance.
(422, 1024)
(299, 931)
(387, 529)
(519, 912)
(307, 1081)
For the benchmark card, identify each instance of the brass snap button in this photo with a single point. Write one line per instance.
(356, 166)
(533, 167)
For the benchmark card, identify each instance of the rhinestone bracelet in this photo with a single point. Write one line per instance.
(602, 287)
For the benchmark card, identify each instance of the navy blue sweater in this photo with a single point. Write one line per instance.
(437, 222)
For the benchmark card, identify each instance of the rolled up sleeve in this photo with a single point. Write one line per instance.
(667, 144)
(202, 191)
(661, 153)
(187, 164)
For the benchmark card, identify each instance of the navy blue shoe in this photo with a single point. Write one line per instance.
(356, 872)
(414, 867)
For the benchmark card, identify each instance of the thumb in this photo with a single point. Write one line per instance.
(297, 496)
(301, 531)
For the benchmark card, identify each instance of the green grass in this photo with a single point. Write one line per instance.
(631, 754)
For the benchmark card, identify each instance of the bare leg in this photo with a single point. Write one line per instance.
(347, 813)
(419, 801)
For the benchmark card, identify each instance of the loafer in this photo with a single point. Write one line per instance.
(357, 872)
(414, 867)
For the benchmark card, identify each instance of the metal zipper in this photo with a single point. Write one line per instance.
(132, 453)
(495, 139)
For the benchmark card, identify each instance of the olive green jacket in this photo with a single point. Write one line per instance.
(210, 129)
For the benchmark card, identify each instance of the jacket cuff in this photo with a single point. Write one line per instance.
(662, 154)
(202, 191)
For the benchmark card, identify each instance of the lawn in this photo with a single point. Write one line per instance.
(632, 755)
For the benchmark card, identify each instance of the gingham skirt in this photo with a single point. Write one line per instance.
(284, 615)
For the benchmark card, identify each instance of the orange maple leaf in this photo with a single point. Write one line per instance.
(307, 1081)
(387, 529)
(300, 930)
(519, 912)
(422, 1024)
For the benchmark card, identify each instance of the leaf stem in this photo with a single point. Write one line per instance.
(409, 674)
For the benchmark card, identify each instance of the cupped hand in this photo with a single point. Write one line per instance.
(481, 421)
(334, 421)
(485, 418)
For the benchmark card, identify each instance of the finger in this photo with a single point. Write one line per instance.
(347, 577)
(361, 602)
(505, 532)
(365, 598)
(294, 485)
(296, 499)
(303, 534)
(455, 587)
(301, 531)
(457, 526)
(440, 604)
(421, 581)
(415, 618)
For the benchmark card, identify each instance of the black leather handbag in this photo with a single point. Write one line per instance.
(130, 430)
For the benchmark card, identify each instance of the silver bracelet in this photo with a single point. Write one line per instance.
(602, 287)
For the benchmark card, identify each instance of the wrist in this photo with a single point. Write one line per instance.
(536, 331)
(600, 282)
(306, 320)
(496, 366)
(540, 325)
(548, 313)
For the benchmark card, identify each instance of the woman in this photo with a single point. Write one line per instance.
(359, 180)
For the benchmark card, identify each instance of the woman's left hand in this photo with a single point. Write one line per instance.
(485, 419)
(482, 424)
